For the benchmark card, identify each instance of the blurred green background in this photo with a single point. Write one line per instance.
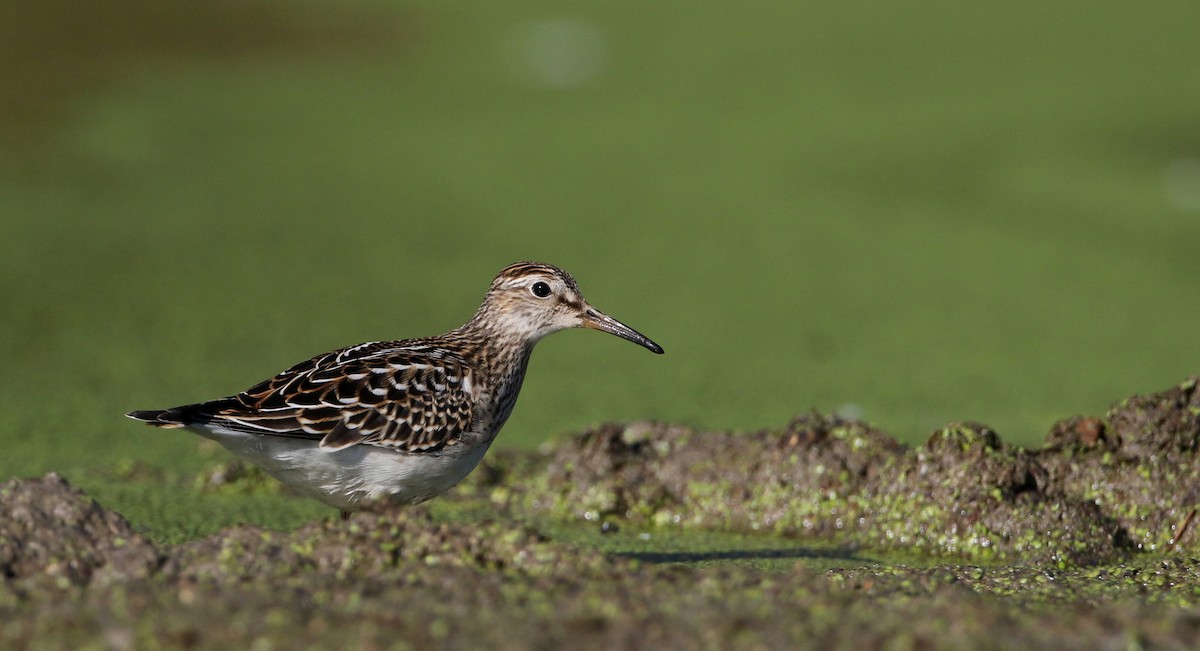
(910, 212)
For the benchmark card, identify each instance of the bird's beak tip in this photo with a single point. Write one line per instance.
(596, 320)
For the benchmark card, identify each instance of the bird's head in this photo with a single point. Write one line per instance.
(534, 299)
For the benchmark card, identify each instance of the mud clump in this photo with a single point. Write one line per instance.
(50, 530)
(1140, 465)
(660, 472)
(965, 492)
(1099, 490)
(1163, 426)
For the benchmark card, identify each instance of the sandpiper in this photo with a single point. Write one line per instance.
(403, 420)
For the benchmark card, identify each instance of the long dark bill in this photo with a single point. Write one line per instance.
(597, 320)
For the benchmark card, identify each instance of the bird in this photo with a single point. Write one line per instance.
(400, 421)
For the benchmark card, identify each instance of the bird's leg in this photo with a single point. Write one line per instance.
(345, 515)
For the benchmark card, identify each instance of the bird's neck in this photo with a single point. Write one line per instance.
(499, 360)
(501, 353)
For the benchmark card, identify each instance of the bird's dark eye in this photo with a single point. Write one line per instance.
(540, 289)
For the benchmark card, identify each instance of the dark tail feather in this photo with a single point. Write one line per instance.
(168, 418)
(184, 415)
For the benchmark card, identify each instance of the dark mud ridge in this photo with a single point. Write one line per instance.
(1088, 542)
(1097, 491)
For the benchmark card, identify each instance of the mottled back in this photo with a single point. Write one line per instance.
(405, 395)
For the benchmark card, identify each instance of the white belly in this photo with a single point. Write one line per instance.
(351, 478)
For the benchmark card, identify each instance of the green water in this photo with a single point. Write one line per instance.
(916, 213)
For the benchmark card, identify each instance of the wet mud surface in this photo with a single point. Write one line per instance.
(1088, 545)
(1099, 490)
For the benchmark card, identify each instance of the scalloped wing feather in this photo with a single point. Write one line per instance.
(413, 398)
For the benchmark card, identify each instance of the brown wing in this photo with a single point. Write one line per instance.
(410, 397)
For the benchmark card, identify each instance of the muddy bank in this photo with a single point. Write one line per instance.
(1087, 539)
(1097, 491)
(458, 608)
(401, 579)
(54, 534)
